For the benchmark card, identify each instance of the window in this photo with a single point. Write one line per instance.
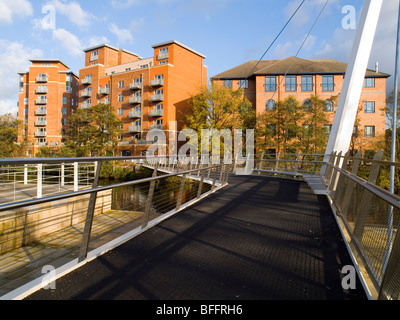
(307, 105)
(328, 128)
(291, 83)
(120, 111)
(270, 105)
(243, 84)
(64, 111)
(164, 62)
(355, 131)
(307, 83)
(369, 131)
(107, 100)
(270, 84)
(328, 106)
(228, 83)
(95, 53)
(26, 111)
(121, 84)
(26, 101)
(328, 83)
(369, 107)
(164, 50)
(271, 130)
(369, 83)
(120, 98)
(64, 100)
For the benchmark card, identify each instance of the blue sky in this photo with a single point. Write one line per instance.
(228, 32)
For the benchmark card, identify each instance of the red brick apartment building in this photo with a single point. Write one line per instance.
(146, 93)
(269, 81)
(48, 93)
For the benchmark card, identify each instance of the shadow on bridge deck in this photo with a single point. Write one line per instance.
(260, 238)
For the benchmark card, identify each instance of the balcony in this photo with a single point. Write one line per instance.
(41, 112)
(86, 105)
(87, 81)
(40, 134)
(42, 90)
(157, 113)
(42, 79)
(104, 91)
(40, 123)
(163, 56)
(157, 126)
(135, 114)
(94, 58)
(135, 99)
(157, 82)
(135, 86)
(41, 101)
(86, 94)
(135, 128)
(157, 97)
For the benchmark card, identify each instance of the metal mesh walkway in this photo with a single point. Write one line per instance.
(259, 238)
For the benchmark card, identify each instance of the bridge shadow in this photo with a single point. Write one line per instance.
(260, 238)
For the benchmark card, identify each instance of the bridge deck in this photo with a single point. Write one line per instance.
(258, 238)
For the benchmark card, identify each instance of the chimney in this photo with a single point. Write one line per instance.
(377, 67)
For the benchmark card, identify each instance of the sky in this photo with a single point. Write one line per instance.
(227, 32)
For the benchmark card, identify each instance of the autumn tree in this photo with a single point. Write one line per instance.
(8, 136)
(219, 108)
(94, 130)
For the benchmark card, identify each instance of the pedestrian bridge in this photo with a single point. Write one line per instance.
(294, 227)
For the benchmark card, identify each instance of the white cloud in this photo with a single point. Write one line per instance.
(123, 35)
(68, 41)
(96, 40)
(11, 8)
(123, 4)
(14, 58)
(73, 12)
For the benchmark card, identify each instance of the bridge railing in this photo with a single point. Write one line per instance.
(367, 212)
(67, 229)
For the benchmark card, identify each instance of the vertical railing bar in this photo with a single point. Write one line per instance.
(150, 198)
(89, 217)
(182, 186)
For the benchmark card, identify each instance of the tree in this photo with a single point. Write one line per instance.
(218, 108)
(9, 135)
(314, 137)
(94, 130)
(389, 110)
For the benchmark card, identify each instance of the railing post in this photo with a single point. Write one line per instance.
(181, 188)
(340, 185)
(25, 174)
(39, 181)
(76, 176)
(296, 164)
(366, 199)
(350, 184)
(149, 201)
(332, 185)
(315, 163)
(89, 216)
(261, 161)
(62, 175)
(277, 161)
(199, 192)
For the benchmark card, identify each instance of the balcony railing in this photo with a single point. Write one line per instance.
(135, 128)
(135, 114)
(42, 79)
(86, 105)
(86, 94)
(135, 99)
(94, 58)
(87, 81)
(157, 97)
(40, 134)
(41, 90)
(41, 101)
(157, 113)
(157, 82)
(135, 86)
(40, 123)
(157, 126)
(163, 56)
(104, 91)
(41, 112)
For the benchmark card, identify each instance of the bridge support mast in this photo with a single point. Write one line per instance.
(343, 124)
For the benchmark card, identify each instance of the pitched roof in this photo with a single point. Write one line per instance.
(291, 65)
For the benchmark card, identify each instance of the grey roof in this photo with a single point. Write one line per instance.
(291, 65)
